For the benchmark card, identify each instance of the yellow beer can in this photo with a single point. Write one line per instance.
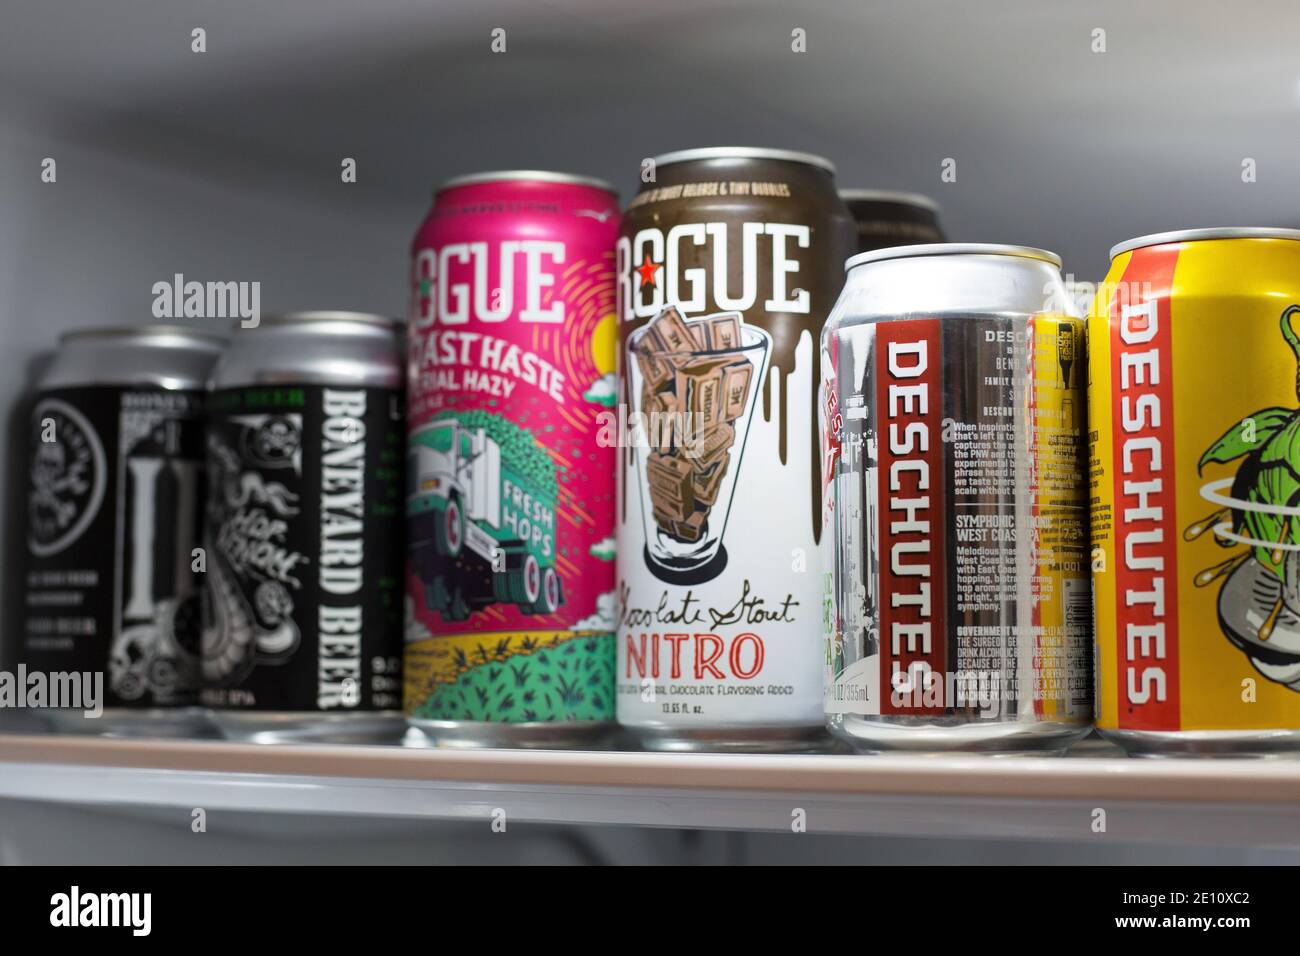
(1194, 438)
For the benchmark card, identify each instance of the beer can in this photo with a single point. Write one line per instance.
(885, 218)
(728, 262)
(510, 504)
(113, 513)
(957, 603)
(302, 620)
(1193, 404)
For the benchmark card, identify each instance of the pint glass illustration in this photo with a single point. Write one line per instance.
(693, 386)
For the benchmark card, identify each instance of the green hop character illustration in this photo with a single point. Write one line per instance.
(1259, 601)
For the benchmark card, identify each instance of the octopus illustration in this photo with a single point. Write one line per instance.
(239, 487)
(158, 657)
(242, 629)
(240, 634)
(1259, 508)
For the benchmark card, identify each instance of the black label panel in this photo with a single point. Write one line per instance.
(113, 518)
(303, 597)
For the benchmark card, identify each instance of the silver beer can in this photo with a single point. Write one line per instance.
(302, 631)
(110, 591)
(957, 603)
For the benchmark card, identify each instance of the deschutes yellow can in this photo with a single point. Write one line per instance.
(1194, 416)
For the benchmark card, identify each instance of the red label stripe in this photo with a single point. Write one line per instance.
(1145, 513)
(910, 482)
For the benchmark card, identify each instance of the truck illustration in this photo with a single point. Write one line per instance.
(481, 497)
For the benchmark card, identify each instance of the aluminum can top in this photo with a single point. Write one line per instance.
(162, 356)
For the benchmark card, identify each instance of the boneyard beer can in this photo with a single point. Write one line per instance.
(1194, 344)
(510, 504)
(728, 263)
(957, 607)
(303, 609)
(113, 515)
(884, 218)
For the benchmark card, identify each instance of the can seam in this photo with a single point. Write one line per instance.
(526, 175)
(329, 315)
(744, 152)
(920, 200)
(952, 249)
(1200, 235)
(144, 331)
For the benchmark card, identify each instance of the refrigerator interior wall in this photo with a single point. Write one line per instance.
(225, 165)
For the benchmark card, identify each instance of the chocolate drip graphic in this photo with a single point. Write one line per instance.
(752, 275)
(785, 341)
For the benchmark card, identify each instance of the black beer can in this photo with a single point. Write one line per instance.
(115, 488)
(302, 632)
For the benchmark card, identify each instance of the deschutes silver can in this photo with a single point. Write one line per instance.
(957, 606)
(302, 633)
(727, 264)
(114, 506)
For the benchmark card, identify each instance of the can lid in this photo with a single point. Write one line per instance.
(889, 195)
(526, 175)
(333, 315)
(1195, 235)
(171, 335)
(952, 249)
(744, 152)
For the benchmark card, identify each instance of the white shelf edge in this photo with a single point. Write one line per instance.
(1274, 826)
(1236, 803)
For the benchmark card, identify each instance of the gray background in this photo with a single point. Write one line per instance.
(226, 164)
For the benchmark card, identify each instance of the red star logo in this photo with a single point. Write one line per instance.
(647, 270)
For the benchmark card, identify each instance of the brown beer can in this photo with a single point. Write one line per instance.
(728, 263)
(885, 218)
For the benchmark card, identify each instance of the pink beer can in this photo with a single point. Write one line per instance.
(510, 462)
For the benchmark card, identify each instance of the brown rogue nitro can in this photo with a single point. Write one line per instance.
(728, 263)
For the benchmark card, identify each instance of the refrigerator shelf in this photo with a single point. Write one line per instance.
(1089, 795)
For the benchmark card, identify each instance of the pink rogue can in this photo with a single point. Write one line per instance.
(510, 462)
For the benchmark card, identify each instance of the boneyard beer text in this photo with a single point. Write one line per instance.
(342, 513)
